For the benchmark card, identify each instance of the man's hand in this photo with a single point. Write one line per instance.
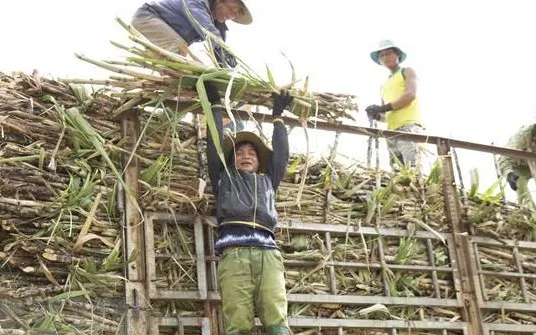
(512, 178)
(212, 93)
(375, 112)
(224, 58)
(281, 102)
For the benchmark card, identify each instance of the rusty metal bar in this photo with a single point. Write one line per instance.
(462, 245)
(455, 273)
(137, 318)
(374, 132)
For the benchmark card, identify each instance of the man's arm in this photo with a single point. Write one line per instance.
(378, 112)
(280, 153)
(411, 90)
(214, 163)
(201, 13)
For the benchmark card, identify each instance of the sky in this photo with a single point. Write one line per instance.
(472, 58)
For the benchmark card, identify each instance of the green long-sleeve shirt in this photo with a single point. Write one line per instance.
(523, 139)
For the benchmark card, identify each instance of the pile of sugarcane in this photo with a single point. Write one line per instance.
(61, 155)
(150, 73)
(61, 161)
(60, 233)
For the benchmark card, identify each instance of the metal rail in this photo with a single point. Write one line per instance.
(374, 132)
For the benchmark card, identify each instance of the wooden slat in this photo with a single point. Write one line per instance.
(504, 243)
(201, 265)
(324, 299)
(336, 323)
(462, 245)
(340, 229)
(509, 306)
(519, 266)
(189, 321)
(531, 329)
(150, 258)
(480, 275)
(178, 295)
(431, 259)
(509, 274)
(136, 297)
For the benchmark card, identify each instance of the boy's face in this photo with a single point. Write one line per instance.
(246, 158)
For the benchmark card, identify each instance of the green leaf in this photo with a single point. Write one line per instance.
(293, 167)
(70, 294)
(271, 79)
(154, 170)
(491, 195)
(474, 183)
(47, 324)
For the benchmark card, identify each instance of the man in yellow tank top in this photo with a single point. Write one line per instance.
(400, 105)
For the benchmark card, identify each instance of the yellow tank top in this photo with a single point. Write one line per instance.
(392, 89)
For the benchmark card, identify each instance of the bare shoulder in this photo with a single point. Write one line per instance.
(409, 73)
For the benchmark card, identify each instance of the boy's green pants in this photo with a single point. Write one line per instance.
(252, 280)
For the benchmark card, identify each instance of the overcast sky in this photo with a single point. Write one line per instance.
(473, 58)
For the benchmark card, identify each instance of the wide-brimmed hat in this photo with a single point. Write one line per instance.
(264, 154)
(245, 18)
(384, 45)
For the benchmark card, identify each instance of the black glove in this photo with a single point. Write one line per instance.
(281, 102)
(224, 58)
(375, 112)
(212, 93)
(512, 178)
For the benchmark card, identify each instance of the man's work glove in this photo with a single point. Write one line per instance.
(512, 178)
(224, 58)
(212, 93)
(281, 102)
(375, 112)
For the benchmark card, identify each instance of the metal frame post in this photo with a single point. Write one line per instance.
(138, 304)
(463, 244)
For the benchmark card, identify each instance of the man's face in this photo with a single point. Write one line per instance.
(389, 58)
(227, 10)
(246, 158)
